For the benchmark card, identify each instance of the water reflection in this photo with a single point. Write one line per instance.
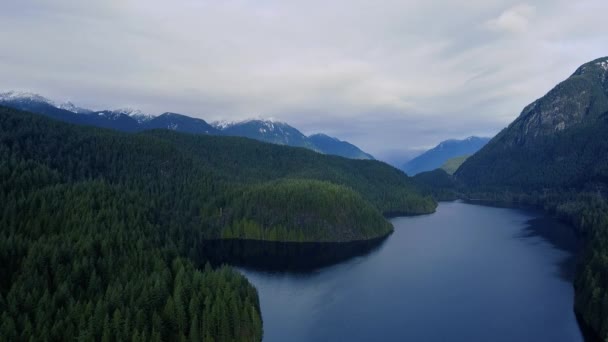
(466, 273)
(285, 256)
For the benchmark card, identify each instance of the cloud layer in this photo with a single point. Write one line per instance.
(387, 75)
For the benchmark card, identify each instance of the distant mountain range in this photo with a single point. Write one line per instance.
(133, 120)
(438, 156)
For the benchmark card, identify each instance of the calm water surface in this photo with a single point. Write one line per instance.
(465, 273)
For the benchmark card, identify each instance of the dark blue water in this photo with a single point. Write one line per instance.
(465, 273)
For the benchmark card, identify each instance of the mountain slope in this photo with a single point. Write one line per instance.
(136, 114)
(283, 134)
(268, 131)
(437, 156)
(331, 145)
(243, 160)
(558, 140)
(69, 106)
(179, 123)
(111, 119)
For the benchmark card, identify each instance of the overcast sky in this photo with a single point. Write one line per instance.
(390, 76)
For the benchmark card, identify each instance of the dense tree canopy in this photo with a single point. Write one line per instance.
(300, 210)
(85, 261)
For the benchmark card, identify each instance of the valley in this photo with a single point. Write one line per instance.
(220, 171)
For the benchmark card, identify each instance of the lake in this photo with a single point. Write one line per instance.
(465, 273)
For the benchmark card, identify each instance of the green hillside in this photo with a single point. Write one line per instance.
(452, 164)
(234, 161)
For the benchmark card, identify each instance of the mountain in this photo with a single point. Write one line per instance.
(331, 145)
(437, 156)
(269, 131)
(558, 140)
(554, 156)
(112, 119)
(179, 123)
(283, 134)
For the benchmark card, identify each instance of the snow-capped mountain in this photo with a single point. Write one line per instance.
(67, 111)
(69, 106)
(268, 131)
(133, 120)
(28, 99)
(136, 114)
(24, 97)
(276, 132)
(222, 124)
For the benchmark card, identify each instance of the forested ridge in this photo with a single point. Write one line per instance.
(101, 230)
(243, 161)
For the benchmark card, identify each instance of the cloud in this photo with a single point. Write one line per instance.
(386, 75)
(513, 20)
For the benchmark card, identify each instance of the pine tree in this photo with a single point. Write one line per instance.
(194, 334)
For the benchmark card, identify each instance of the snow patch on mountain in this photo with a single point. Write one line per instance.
(267, 124)
(223, 124)
(128, 111)
(13, 96)
(70, 107)
(136, 114)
